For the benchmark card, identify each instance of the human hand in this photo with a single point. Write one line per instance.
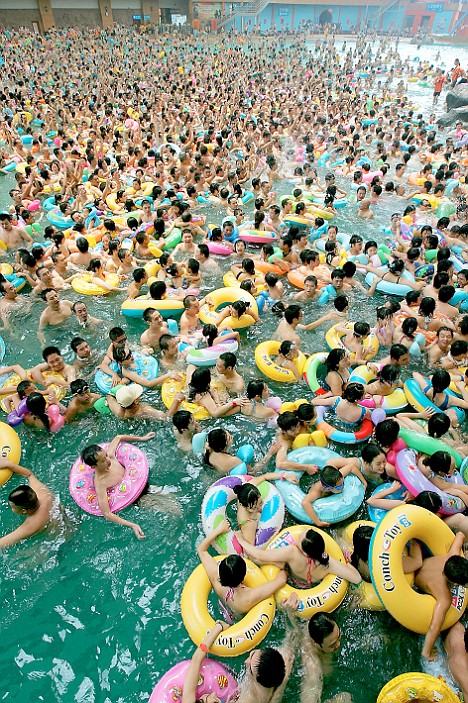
(312, 469)
(396, 485)
(282, 576)
(115, 380)
(292, 602)
(290, 476)
(274, 449)
(223, 527)
(320, 523)
(146, 437)
(138, 532)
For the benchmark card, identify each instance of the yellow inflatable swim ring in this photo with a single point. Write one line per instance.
(416, 686)
(226, 296)
(268, 366)
(230, 281)
(328, 594)
(334, 336)
(368, 598)
(242, 636)
(82, 284)
(411, 609)
(14, 379)
(10, 448)
(169, 389)
(317, 438)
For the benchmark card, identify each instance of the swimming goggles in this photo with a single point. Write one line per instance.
(338, 489)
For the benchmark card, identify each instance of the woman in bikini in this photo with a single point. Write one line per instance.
(227, 579)
(337, 364)
(306, 559)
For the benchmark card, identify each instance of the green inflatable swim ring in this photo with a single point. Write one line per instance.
(101, 403)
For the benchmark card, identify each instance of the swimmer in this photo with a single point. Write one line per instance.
(456, 646)
(227, 577)
(185, 427)
(109, 472)
(34, 501)
(434, 577)
(306, 559)
(331, 482)
(56, 312)
(227, 375)
(83, 399)
(216, 453)
(82, 315)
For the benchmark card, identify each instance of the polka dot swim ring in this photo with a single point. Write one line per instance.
(82, 488)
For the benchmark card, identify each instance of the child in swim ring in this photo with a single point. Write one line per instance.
(331, 482)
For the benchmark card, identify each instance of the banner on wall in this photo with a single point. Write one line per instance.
(207, 10)
(283, 11)
(435, 7)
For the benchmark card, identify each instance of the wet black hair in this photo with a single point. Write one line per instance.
(232, 571)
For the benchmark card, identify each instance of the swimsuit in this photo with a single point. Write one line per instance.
(348, 423)
(307, 582)
(228, 612)
(445, 403)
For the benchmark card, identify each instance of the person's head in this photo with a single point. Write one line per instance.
(81, 347)
(81, 311)
(51, 297)
(324, 632)
(226, 362)
(444, 336)
(80, 390)
(129, 396)
(118, 337)
(249, 496)
(373, 456)
(36, 405)
(152, 317)
(266, 667)
(191, 304)
(459, 349)
(289, 424)
(441, 463)
(257, 390)
(437, 425)
(446, 293)
(428, 500)
(331, 480)
(456, 570)
(399, 354)
(288, 349)
(96, 457)
(183, 420)
(232, 571)
(168, 343)
(53, 358)
(336, 359)
(440, 380)
(200, 382)
(312, 545)
(409, 326)
(361, 330)
(386, 433)
(306, 413)
(361, 542)
(23, 500)
(293, 313)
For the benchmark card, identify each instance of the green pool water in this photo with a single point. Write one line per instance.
(92, 615)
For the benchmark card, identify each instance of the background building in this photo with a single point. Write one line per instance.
(397, 17)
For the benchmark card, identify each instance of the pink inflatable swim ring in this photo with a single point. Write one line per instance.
(213, 678)
(82, 488)
(396, 447)
(257, 237)
(367, 177)
(414, 480)
(220, 249)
